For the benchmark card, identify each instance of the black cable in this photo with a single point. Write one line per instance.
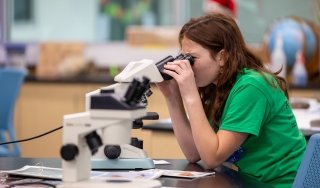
(32, 183)
(27, 139)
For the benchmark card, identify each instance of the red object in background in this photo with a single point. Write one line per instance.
(229, 5)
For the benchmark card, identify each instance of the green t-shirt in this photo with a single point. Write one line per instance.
(275, 146)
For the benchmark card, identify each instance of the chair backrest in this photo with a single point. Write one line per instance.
(10, 84)
(308, 174)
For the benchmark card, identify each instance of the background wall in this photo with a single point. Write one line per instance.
(255, 16)
(80, 20)
(58, 20)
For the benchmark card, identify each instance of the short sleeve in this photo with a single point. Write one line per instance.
(245, 110)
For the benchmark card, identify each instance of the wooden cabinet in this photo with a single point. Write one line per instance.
(41, 107)
(160, 144)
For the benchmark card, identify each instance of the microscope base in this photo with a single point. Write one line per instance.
(142, 163)
(95, 183)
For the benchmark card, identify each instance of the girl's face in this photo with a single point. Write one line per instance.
(205, 68)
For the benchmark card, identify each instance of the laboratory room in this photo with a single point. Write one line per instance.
(159, 93)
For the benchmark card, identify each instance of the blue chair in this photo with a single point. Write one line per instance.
(308, 174)
(10, 84)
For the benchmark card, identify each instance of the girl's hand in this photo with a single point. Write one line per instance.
(182, 73)
(169, 88)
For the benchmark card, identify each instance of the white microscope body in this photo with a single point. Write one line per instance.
(110, 111)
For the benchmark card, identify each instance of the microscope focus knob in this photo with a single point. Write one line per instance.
(69, 151)
(112, 151)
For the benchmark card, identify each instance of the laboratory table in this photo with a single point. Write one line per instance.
(224, 177)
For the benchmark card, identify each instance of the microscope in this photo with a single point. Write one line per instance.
(100, 137)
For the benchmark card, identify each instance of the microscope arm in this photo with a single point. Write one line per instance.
(138, 69)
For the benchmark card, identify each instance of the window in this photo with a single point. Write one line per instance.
(23, 10)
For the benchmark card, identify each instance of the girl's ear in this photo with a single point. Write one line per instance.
(221, 57)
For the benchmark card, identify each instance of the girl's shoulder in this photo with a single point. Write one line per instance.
(250, 76)
(263, 83)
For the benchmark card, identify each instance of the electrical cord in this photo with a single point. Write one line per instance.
(32, 183)
(27, 139)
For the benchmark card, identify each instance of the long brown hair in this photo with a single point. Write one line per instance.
(216, 32)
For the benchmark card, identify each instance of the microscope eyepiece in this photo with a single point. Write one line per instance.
(185, 57)
(161, 63)
(189, 58)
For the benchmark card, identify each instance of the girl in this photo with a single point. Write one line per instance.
(229, 107)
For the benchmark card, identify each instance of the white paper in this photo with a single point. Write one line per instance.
(181, 173)
(56, 173)
(160, 162)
